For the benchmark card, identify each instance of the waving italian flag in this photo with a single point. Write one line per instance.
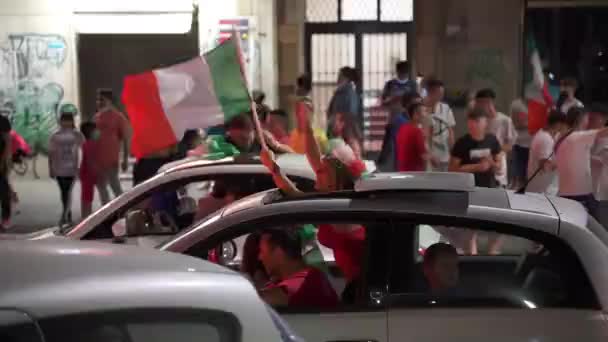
(203, 92)
(537, 90)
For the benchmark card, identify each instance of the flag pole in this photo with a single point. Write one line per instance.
(258, 126)
(256, 119)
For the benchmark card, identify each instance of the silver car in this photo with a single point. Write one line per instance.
(529, 267)
(65, 291)
(191, 181)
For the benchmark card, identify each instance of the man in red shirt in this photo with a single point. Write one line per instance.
(412, 151)
(294, 283)
(113, 129)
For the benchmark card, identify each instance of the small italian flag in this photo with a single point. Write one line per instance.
(203, 92)
(537, 90)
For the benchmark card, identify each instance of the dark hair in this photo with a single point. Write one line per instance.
(350, 74)
(486, 93)
(402, 67)
(574, 116)
(433, 84)
(5, 124)
(66, 117)
(250, 263)
(477, 113)
(408, 99)
(87, 129)
(556, 117)
(106, 93)
(569, 82)
(186, 144)
(258, 96)
(434, 251)
(413, 109)
(288, 239)
(239, 122)
(304, 82)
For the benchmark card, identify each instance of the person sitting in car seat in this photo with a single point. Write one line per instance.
(251, 266)
(440, 267)
(337, 170)
(293, 283)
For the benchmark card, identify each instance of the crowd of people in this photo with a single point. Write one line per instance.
(566, 158)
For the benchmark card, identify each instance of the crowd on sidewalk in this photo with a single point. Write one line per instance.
(567, 157)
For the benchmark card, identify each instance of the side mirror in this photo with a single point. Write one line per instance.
(119, 230)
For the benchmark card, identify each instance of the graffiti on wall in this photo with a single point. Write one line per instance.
(31, 84)
(486, 67)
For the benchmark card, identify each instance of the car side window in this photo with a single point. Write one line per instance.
(319, 265)
(172, 207)
(17, 327)
(476, 266)
(153, 325)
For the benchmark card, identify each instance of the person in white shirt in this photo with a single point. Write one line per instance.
(501, 126)
(573, 159)
(568, 100)
(598, 119)
(442, 124)
(542, 174)
(521, 148)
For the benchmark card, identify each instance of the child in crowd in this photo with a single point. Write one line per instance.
(63, 161)
(88, 175)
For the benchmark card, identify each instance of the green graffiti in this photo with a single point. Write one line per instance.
(30, 85)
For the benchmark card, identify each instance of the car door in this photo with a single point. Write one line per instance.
(363, 319)
(531, 288)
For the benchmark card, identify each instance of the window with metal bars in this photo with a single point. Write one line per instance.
(330, 11)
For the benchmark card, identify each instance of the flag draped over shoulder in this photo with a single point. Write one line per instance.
(203, 92)
(536, 90)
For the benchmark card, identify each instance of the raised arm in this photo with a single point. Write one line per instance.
(313, 152)
(280, 179)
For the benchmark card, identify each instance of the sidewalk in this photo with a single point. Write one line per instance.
(39, 202)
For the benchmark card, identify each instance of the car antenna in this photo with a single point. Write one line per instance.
(522, 190)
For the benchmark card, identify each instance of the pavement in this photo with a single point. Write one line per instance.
(39, 202)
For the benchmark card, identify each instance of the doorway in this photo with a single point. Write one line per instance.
(369, 35)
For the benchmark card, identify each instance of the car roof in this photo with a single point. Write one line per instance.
(435, 187)
(290, 162)
(59, 276)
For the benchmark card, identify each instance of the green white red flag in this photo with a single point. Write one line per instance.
(536, 90)
(203, 92)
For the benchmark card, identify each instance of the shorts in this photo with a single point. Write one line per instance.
(87, 190)
(519, 162)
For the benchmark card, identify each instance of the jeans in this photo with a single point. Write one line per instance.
(65, 187)
(109, 178)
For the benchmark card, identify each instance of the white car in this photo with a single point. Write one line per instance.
(190, 180)
(66, 291)
(549, 283)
